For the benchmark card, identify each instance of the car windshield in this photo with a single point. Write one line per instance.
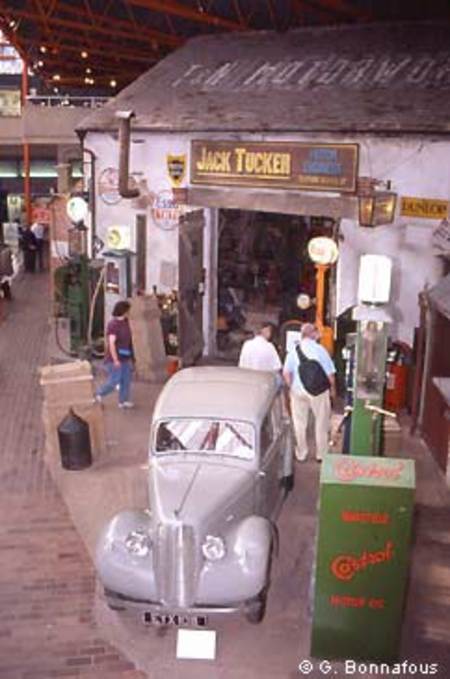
(221, 437)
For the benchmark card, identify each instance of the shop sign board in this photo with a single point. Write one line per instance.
(366, 508)
(10, 104)
(424, 208)
(286, 165)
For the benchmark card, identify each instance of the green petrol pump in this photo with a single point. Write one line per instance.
(366, 504)
(373, 322)
(75, 284)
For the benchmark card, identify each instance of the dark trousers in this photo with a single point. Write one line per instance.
(40, 254)
(29, 260)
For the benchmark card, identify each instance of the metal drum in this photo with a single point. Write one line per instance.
(74, 442)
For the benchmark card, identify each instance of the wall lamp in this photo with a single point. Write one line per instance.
(375, 206)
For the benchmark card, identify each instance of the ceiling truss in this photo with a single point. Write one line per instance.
(116, 40)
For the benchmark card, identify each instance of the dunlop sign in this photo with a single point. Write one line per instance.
(426, 208)
(318, 167)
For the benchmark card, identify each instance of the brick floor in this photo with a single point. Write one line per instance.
(53, 624)
(47, 582)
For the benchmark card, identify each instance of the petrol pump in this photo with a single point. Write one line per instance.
(76, 282)
(366, 504)
(369, 354)
(117, 278)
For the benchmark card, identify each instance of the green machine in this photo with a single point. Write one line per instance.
(366, 507)
(76, 283)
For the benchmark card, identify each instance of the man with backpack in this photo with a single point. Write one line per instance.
(309, 373)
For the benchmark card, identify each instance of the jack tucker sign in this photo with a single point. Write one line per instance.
(289, 165)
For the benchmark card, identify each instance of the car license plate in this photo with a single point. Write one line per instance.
(177, 619)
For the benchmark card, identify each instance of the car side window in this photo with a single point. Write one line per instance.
(267, 434)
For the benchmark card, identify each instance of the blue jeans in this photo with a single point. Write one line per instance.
(121, 376)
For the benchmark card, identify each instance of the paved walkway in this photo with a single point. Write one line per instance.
(47, 627)
(53, 623)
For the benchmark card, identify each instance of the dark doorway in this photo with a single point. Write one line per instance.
(263, 267)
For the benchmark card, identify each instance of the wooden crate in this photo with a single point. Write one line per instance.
(148, 341)
(67, 383)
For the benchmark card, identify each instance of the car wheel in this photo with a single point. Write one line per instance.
(112, 601)
(255, 609)
(287, 482)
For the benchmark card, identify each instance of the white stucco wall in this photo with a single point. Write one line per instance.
(416, 166)
(147, 164)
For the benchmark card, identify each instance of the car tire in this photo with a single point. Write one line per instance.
(112, 601)
(255, 609)
(115, 607)
(287, 482)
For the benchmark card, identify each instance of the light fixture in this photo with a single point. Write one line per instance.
(43, 49)
(374, 284)
(375, 206)
(57, 77)
(40, 63)
(113, 83)
(88, 70)
(84, 54)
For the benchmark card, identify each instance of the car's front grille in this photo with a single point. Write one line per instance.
(176, 564)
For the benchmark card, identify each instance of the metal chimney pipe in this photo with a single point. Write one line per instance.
(124, 154)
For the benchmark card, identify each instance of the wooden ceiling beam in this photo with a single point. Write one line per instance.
(190, 13)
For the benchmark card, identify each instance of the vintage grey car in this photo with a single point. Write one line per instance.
(220, 465)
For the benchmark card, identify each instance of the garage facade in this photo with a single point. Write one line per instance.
(280, 129)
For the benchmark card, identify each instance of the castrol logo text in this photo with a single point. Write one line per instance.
(346, 566)
(349, 470)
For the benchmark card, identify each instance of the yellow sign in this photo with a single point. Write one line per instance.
(176, 166)
(425, 208)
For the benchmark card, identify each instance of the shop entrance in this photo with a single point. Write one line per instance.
(265, 273)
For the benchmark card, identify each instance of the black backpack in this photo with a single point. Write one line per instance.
(311, 373)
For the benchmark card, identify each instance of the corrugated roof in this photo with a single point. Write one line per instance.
(375, 77)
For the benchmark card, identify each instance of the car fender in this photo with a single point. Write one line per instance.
(114, 534)
(252, 544)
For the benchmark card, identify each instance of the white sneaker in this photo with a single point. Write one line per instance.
(126, 404)
(298, 457)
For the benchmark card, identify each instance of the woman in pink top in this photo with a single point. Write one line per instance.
(119, 356)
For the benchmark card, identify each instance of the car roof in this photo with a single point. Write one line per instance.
(223, 392)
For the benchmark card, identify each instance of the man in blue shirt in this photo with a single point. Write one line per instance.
(302, 402)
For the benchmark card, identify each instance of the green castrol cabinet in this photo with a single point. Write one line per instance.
(362, 560)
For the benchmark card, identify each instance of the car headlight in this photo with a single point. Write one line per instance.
(213, 548)
(138, 543)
